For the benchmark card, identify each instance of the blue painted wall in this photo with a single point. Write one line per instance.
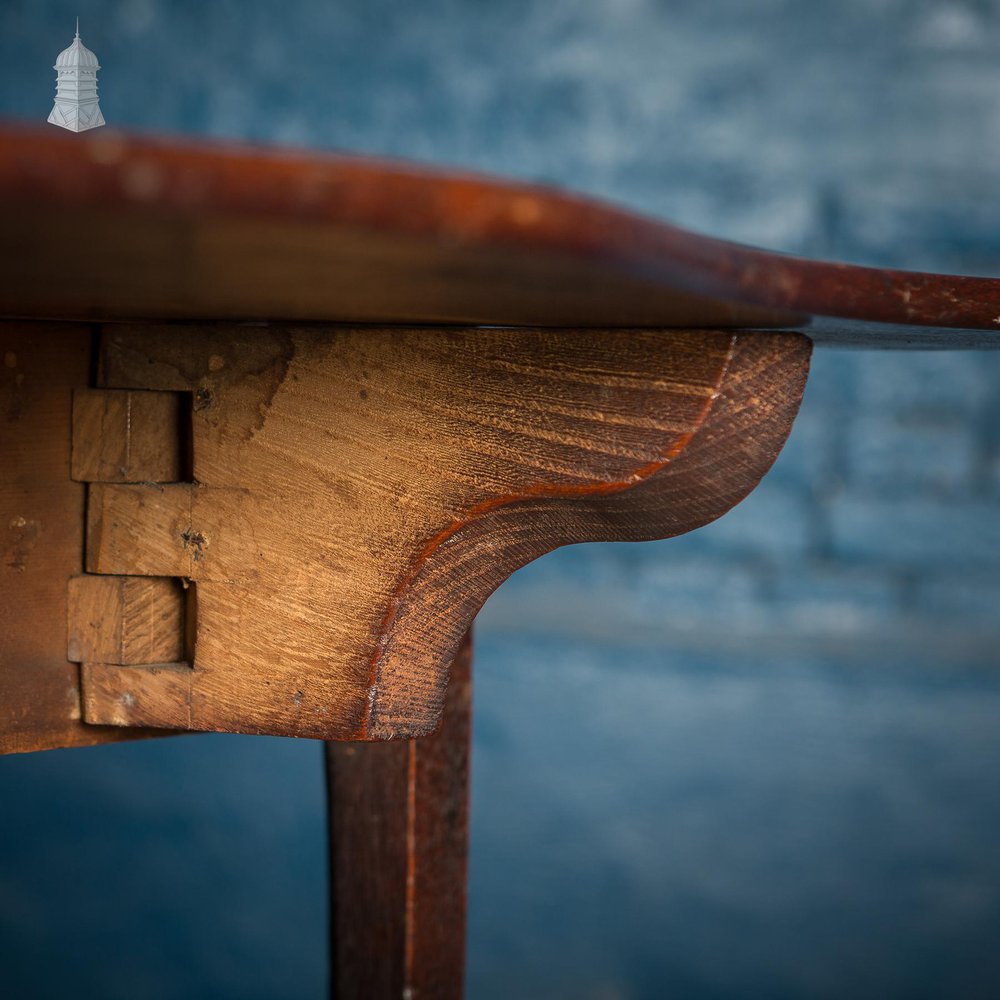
(757, 761)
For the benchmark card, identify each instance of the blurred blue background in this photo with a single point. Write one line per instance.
(759, 761)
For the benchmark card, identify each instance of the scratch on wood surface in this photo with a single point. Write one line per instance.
(12, 397)
(24, 535)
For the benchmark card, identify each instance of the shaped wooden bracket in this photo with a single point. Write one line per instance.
(353, 496)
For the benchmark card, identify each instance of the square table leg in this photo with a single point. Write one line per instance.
(398, 857)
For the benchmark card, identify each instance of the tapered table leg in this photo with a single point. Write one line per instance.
(398, 849)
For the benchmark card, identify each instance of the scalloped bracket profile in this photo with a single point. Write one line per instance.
(356, 494)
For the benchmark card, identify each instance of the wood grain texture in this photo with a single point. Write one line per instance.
(125, 620)
(41, 537)
(398, 857)
(359, 493)
(128, 437)
(179, 230)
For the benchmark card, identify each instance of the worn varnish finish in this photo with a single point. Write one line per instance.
(398, 846)
(290, 528)
(357, 494)
(211, 231)
(41, 536)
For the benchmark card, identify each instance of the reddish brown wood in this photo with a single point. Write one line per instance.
(41, 537)
(175, 229)
(398, 844)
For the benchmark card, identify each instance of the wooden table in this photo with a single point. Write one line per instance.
(275, 426)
